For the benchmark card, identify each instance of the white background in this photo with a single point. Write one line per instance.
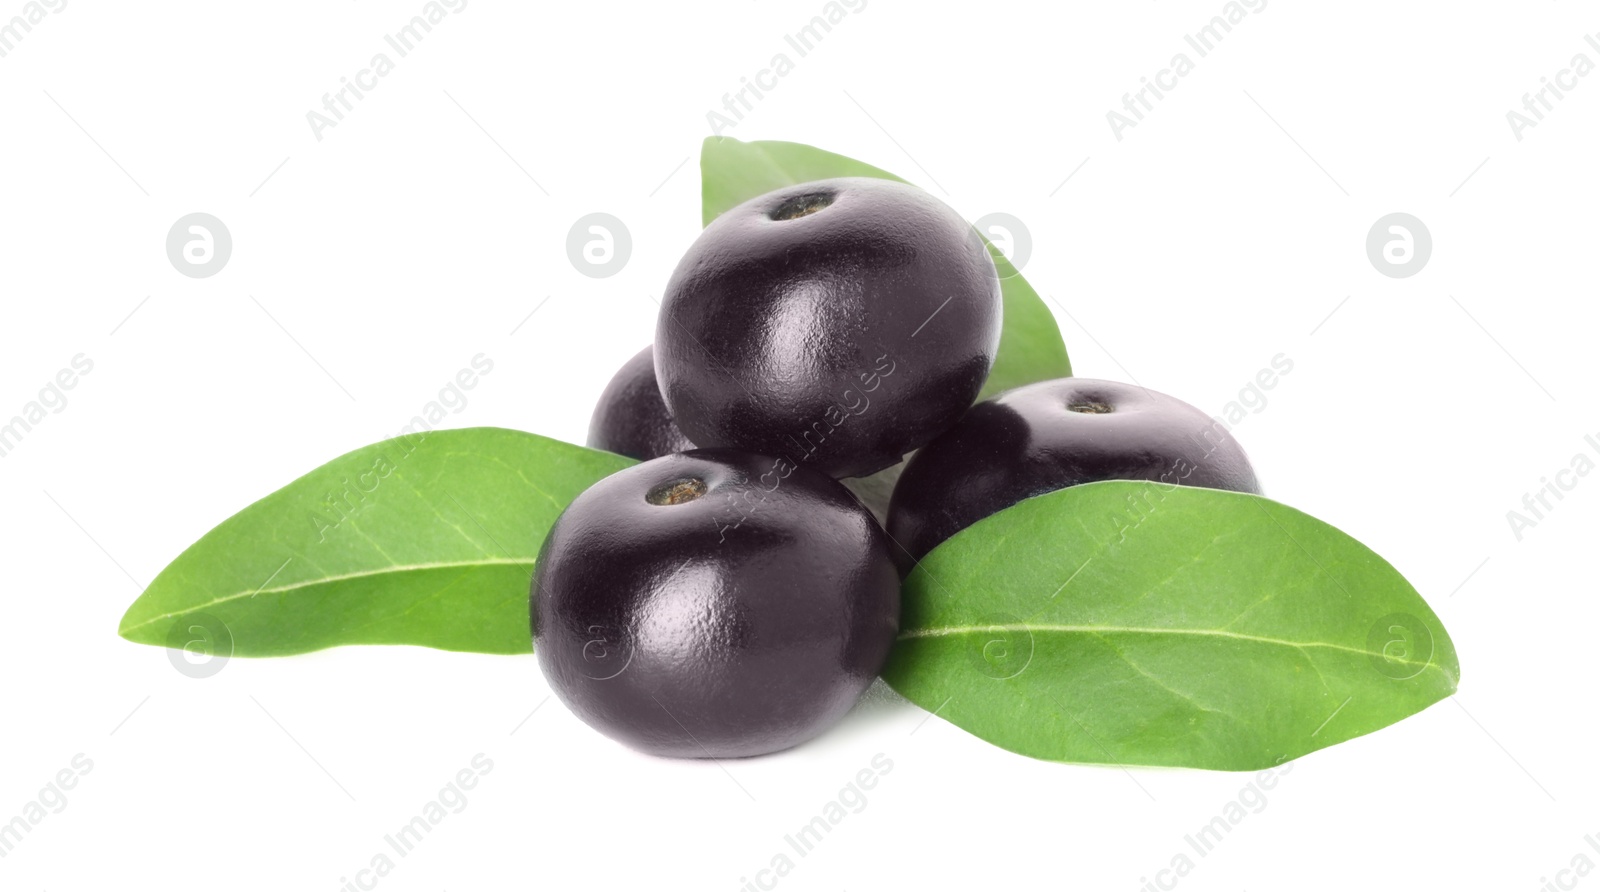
(370, 266)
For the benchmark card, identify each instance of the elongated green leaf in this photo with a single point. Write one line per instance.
(428, 539)
(733, 172)
(1030, 343)
(1143, 624)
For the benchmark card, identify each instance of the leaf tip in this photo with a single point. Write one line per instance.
(130, 628)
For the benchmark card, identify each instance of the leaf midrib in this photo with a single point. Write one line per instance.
(944, 631)
(294, 586)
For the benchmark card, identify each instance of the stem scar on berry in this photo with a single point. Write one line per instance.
(676, 492)
(801, 205)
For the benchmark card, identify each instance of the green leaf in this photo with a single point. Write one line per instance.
(1138, 623)
(733, 172)
(1030, 342)
(428, 539)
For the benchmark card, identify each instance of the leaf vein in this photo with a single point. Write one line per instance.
(308, 583)
(943, 631)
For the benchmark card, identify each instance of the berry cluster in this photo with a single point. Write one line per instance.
(728, 596)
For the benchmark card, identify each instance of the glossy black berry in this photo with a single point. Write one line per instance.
(840, 323)
(631, 419)
(1049, 436)
(714, 603)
